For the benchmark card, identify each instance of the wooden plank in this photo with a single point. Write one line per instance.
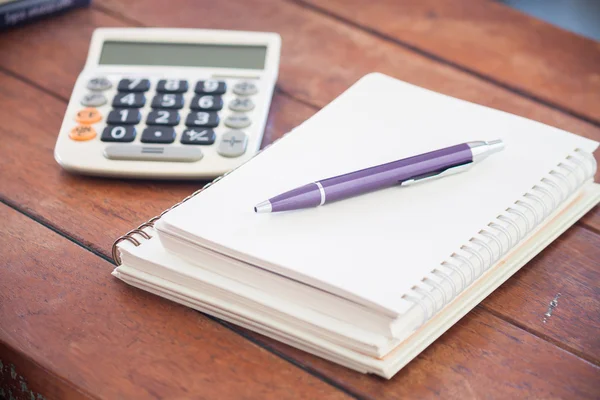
(492, 40)
(480, 357)
(61, 309)
(569, 267)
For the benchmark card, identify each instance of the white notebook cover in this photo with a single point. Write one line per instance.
(374, 248)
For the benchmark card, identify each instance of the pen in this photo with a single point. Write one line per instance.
(435, 164)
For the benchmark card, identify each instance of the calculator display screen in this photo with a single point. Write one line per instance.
(183, 55)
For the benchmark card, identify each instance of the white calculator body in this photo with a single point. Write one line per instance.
(169, 103)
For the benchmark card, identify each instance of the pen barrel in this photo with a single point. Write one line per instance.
(395, 172)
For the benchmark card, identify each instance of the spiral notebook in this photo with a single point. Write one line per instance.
(367, 282)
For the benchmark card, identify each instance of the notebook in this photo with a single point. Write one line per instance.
(367, 282)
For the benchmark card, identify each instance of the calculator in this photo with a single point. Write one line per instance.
(169, 103)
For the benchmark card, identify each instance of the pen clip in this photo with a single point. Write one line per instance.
(449, 171)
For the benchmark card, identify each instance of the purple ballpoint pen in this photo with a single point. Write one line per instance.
(435, 164)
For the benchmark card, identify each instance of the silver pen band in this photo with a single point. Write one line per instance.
(322, 191)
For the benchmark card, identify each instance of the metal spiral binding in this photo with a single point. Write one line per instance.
(129, 236)
(569, 177)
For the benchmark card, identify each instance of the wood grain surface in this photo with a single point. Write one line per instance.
(501, 350)
(497, 43)
(112, 341)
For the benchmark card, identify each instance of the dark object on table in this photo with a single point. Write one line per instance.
(17, 12)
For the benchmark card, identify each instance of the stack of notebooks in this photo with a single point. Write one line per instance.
(371, 281)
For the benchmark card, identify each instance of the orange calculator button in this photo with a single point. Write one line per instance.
(82, 133)
(88, 115)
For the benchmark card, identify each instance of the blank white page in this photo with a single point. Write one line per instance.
(372, 248)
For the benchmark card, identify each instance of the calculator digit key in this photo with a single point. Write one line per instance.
(129, 100)
(169, 101)
(202, 119)
(93, 99)
(134, 85)
(162, 117)
(158, 134)
(237, 121)
(118, 133)
(210, 87)
(99, 83)
(233, 144)
(82, 133)
(171, 86)
(198, 136)
(245, 88)
(88, 115)
(207, 103)
(125, 116)
(241, 104)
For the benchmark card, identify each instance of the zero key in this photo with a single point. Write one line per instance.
(88, 115)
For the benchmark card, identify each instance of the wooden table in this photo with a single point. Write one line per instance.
(69, 330)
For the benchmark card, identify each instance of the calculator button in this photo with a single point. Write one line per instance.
(152, 153)
(93, 99)
(245, 88)
(158, 134)
(134, 85)
(171, 101)
(125, 116)
(211, 87)
(198, 136)
(202, 119)
(237, 121)
(233, 144)
(88, 116)
(99, 83)
(171, 86)
(162, 117)
(118, 133)
(207, 103)
(82, 133)
(129, 100)
(241, 104)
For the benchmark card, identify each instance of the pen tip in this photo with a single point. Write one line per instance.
(263, 207)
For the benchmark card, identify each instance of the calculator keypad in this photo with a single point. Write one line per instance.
(168, 101)
(171, 86)
(206, 103)
(198, 136)
(210, 87)
(93, 99)
(129, 100)
(202, 119)
(162, 117)
(125, 116)
(118, 133)
(158, 134)
(134, 85)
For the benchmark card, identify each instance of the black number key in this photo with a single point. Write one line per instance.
(207, 103)
(125, 116)
(170, 101)
(118, 133)
(198, 136)
(171, 86)
(163, 117)
(210, 87)
(129, 100)
(202, 119)
(158, 134)
(134, 85)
